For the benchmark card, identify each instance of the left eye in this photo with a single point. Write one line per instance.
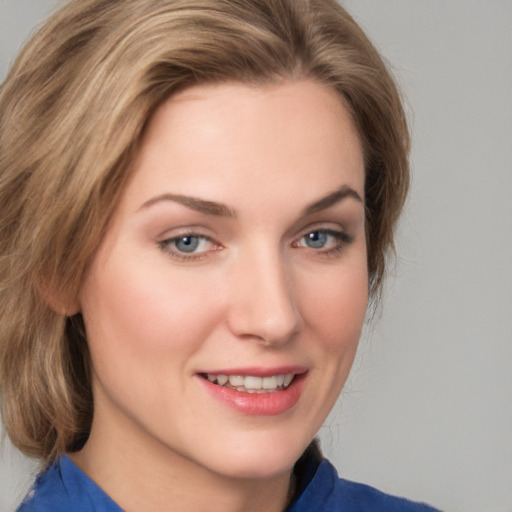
(322, 239)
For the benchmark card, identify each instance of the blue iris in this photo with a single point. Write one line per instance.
(316, 239)
(187, 243)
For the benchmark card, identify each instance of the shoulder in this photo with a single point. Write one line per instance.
(46, 494)
(326, 492)
(63, 487)
(361, 497)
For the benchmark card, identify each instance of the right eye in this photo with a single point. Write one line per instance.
(188, 246)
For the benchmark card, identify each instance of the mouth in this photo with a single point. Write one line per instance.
(256, 391)
(251, 383)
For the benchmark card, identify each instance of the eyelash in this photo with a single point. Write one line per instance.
(341, 240)
(165, 246)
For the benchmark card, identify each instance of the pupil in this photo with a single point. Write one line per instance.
(187, 243)
(316, 240)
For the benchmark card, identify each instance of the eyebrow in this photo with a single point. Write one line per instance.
(221, 210)
(331, 199)
(200, 205)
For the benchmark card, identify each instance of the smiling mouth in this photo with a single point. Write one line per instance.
(250, 383)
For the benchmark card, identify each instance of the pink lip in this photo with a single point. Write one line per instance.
(258, 404)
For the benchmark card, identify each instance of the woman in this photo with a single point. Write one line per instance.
(197, 200)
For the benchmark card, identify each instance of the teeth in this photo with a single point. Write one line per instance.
(236, 380)
(221, 379)
(269, 382)
(252, 384)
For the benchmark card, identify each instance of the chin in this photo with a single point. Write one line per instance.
(261, 460)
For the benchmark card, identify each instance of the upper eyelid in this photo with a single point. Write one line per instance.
(184, 234)
(177, 232)
(333, 226)
(337, 233)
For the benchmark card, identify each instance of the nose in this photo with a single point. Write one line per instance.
(263, 303)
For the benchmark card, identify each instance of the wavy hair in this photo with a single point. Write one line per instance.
(72, 112)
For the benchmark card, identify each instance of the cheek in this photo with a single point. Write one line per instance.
(137, 315)
(335, 306)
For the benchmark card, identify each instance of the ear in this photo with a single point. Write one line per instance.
(60, 301)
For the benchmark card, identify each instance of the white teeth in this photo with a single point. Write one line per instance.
(236, 380)
(269, 382)
(252, 384)
(221, 379)
(287, 379)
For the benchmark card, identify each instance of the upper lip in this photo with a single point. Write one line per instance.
(258, 371)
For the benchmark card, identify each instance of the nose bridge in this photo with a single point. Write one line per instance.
(263, 301)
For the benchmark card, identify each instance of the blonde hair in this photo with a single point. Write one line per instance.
(72, 111)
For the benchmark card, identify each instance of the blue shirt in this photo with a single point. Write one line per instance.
(65, 488)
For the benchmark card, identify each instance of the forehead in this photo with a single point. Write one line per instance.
(208, 139)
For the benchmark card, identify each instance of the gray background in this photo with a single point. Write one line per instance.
(428, 409)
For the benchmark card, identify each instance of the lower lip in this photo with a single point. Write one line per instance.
(258, 404)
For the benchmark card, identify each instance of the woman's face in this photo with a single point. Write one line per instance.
(224, 305)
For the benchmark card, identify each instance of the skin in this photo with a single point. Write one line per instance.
(254, 293)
